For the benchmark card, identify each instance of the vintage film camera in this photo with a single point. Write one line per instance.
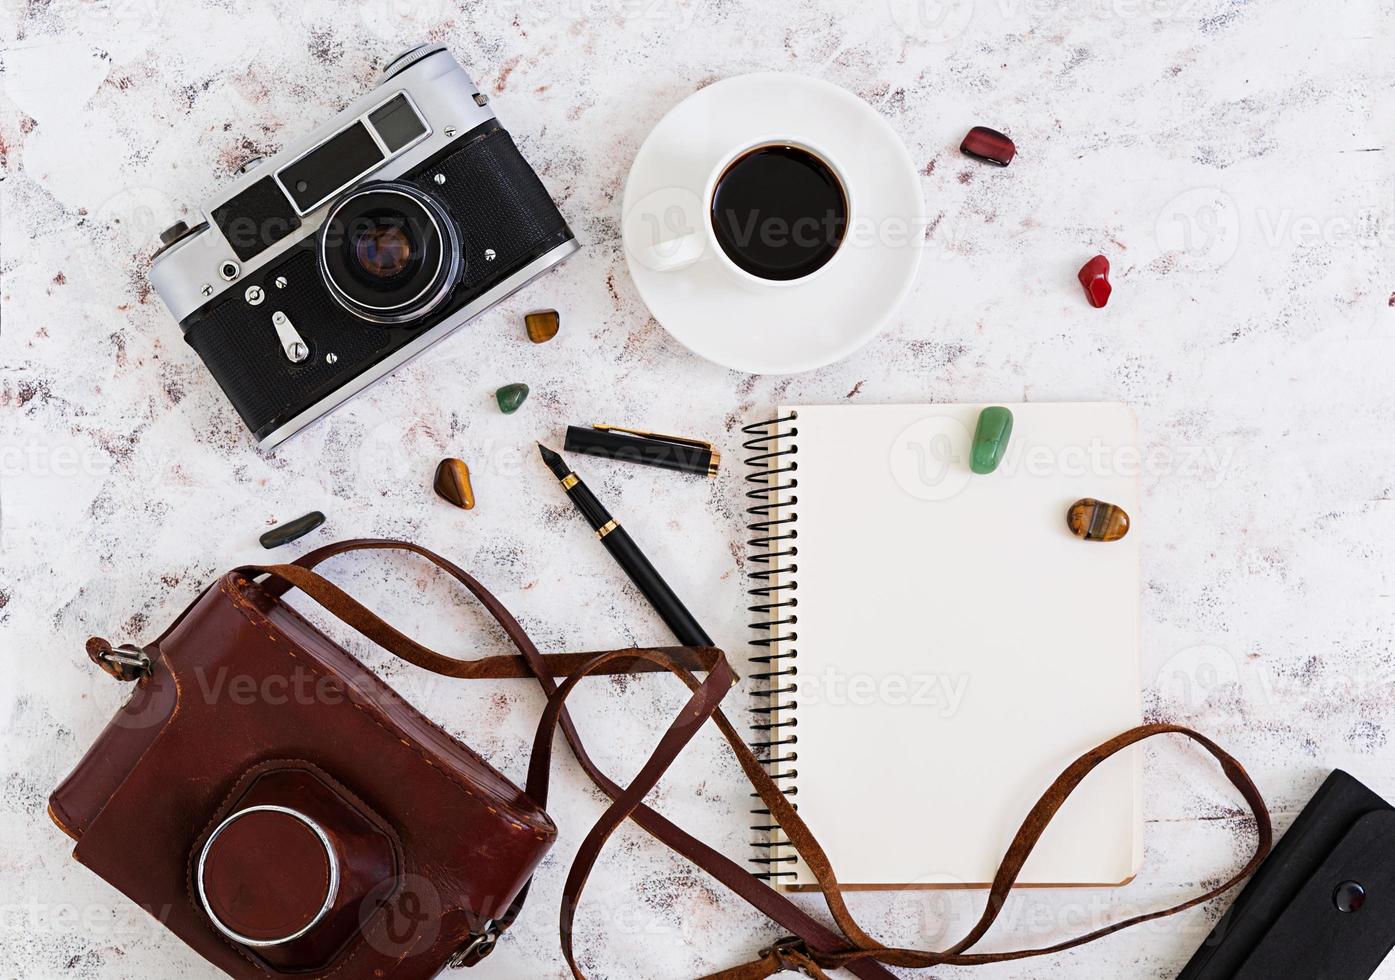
(323, 268)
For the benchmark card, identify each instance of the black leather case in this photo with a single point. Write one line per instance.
(1287, 923)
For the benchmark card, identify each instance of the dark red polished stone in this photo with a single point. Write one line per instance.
(987, 144)
(1094, 276)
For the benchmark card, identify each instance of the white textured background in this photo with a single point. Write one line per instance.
(1227, 156)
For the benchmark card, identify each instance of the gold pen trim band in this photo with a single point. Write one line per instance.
(606, 528)
(569, 481)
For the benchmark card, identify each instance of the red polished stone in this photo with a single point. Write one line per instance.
(987, 144)
(1094, 276)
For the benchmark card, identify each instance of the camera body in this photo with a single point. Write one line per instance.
(325, 267)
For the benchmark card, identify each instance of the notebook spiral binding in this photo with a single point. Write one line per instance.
(770, 468)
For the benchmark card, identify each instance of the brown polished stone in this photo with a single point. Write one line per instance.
(1095, 520)
(453, 483)
(542, 325)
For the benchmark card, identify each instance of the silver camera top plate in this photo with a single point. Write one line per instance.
(189, 273)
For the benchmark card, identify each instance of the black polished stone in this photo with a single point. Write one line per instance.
(288, 532)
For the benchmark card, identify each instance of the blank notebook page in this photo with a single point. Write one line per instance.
(958, 647)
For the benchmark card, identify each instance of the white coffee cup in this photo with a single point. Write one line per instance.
(681, 251)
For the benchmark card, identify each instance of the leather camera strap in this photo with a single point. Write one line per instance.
(734, 876)
(812, 947)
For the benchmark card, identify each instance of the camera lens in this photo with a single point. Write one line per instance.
(383, 250)
(389, 253)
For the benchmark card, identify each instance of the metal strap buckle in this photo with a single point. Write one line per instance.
(481, 944)
(128, 656)
(126, 662)
(792, 953)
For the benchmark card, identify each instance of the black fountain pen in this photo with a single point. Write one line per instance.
(623, 549)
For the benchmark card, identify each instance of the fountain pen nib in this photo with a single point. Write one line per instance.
(553, 461)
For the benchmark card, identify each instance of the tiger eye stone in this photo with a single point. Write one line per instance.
(542, 325)
(511, 397)
(1095, 520)
(990, 439)
(452, 483)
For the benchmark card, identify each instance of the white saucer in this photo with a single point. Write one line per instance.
(790, 327)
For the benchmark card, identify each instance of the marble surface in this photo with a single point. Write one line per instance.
(1228, 156)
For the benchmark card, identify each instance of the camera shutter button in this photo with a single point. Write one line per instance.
(268, 875)
(174, 232)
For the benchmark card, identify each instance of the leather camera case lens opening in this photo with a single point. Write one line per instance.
(292, 867)
(268, 875)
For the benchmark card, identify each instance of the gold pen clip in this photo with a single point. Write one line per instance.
(660, 437)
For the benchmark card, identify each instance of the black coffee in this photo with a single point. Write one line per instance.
(779, 212)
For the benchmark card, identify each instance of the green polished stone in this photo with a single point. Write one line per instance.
(510, 397)
(990, 439)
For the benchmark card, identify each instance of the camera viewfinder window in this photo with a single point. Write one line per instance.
(324, 170)
(397, 123)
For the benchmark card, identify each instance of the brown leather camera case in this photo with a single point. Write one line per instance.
(441, 842)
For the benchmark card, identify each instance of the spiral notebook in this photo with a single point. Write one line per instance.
(936, 646)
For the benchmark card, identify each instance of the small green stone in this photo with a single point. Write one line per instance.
(510, 397)
(990, 439)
